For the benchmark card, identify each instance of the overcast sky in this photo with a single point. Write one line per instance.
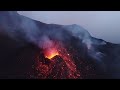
(100, 24)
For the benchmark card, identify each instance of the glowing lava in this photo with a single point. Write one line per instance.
(50, 53)
(60, 67)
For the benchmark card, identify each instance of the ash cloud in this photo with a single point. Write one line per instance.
(45, 42)
(40, 34)
(86, 38)
(17, 26)
(21, 28)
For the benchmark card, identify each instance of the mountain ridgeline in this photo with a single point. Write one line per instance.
(22, 38)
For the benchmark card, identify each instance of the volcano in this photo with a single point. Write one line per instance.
(31, 49)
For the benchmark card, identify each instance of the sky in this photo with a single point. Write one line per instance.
(100, 24)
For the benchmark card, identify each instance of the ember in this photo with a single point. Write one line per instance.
(60, 65)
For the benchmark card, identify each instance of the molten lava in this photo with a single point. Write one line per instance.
(60, 67)
(50, 53)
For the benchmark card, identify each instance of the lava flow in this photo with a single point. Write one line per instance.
(59, 66)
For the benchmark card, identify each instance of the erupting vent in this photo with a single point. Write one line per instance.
(50, 53)
(59, 64)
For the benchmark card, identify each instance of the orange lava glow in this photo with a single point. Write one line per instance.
(50, 53)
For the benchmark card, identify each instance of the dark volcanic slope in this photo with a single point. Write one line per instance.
(23, 40)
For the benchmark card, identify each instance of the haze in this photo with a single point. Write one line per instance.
(100, 24)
